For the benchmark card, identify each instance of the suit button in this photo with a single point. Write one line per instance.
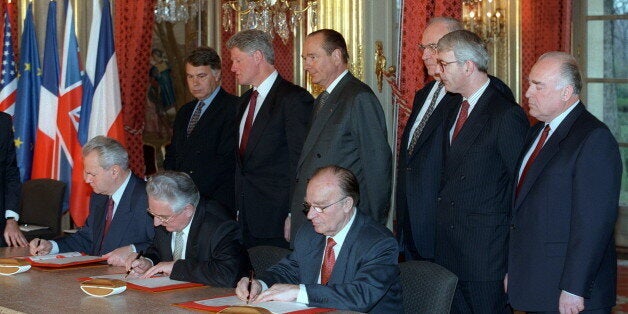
(297, 180)
(318, 155)
(451, 227)
(191, 171)
(242, 194)
(512, 227)
(439, 198)
(408, 169)
(462, 177)
(452, 203)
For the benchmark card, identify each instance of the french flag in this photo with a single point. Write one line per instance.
(104, 107)
(46, 153)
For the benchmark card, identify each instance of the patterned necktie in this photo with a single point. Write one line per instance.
(428, 113)
(328, 261)
(535, 153)
(462, 118)
(322, 99)
(196, 115)
(108, 219)
(178, 246)
(248, 123)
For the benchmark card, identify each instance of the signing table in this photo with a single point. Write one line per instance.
(42, 290)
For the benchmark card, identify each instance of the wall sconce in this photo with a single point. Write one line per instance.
(272, 16)
(485, 18)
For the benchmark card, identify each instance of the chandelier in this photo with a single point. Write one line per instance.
(174, 11)
(485, 18)
(279, 17)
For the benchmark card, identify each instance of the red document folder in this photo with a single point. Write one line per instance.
(197, 306)
(64, 260)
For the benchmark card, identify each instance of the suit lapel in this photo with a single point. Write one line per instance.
(435, 119)
(342, 262)
(321, 118)
(315, 257)
(551, 147)
(207, 116)
(99, 212)
(419, 102)
(191, 247)
(263, 117)
(122, 217)
(469, 132)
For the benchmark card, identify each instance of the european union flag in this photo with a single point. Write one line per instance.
(27, 103)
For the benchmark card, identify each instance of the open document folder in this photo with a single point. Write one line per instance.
(153, 284)
(221, 303)
(63, 259)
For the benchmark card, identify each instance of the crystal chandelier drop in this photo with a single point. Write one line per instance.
(485, 18)
(279, 17)
(174, 11)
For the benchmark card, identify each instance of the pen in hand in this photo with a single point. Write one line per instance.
(136, 258)
(248, 297)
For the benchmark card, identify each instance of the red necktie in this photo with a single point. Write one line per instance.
(535, 153)
(462, 118)
(248, 123)
(108, 219)
(328, 261)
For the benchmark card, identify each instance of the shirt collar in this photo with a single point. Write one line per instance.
(333, 84)
(473, 99)
(264, 88)
(340, 237)
(559, 119)
(117, 195)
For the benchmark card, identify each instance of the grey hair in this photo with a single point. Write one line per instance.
(251, 40)
(569, 70)
(175, 188)
(467, 46)
(110, 152)
(451, 23)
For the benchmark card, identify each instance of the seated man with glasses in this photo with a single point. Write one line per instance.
(343, 259)
(195, 240)
(117, 224)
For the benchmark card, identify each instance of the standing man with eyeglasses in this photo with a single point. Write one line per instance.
(195, 238)
(118, 224)
(483, 137)
(272, 121)
(343, 259)
(203, 140)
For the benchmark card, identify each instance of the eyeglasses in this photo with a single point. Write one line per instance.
(433, 48)
(319, 209)
(163, 218)
(442, 64)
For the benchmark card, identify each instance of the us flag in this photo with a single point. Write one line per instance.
(8, 80)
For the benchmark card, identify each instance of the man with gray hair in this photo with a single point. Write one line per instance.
(483, 137)
(195, 239)
(562, 250)
(117, 223)
(273, 119)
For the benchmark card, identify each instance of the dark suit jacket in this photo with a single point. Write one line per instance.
(419, 175)
(208, 154)
(474, 199)
(564, 217)
(350, 131)
(264, 175)
(131, 223)
(365, 277)
(214, 255)
(10, 184)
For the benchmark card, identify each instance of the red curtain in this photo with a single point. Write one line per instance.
(415, 15)
(546, 26)
(133, 27)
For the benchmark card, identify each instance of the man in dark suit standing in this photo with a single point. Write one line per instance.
(10, 187)
(118, 223)
(272, 122)
(348, 129)
(195, 240)
(562, 249)
(203, 140)
(483, 137)
(421, 152)
(343, 259)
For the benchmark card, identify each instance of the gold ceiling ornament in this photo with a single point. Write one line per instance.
(487, 18)
(279, 17)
